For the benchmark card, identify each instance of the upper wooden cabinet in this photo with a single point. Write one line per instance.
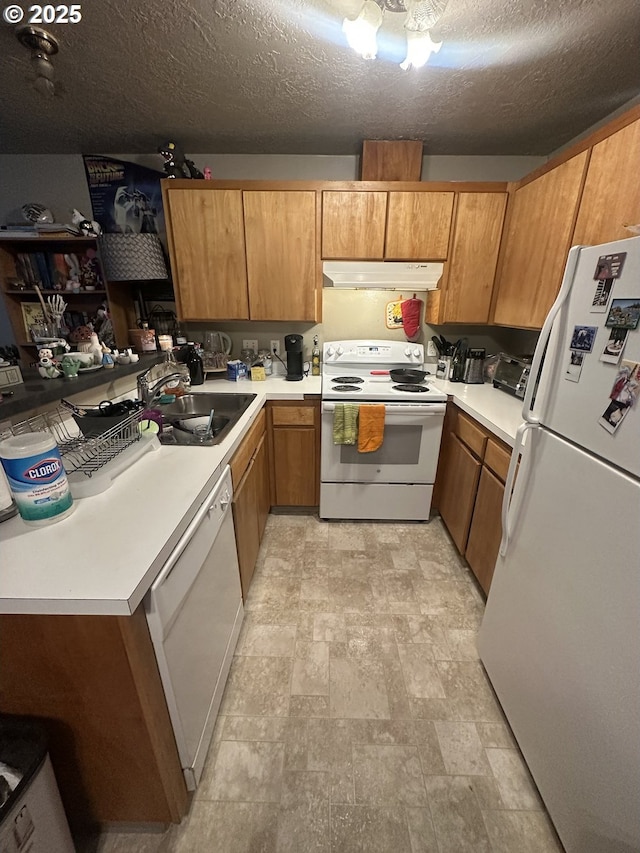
(611, 196)
(243, 255)
(280, 231)
(469, 274)
(536, 241)
(206, 234)
(353, 225)
(418, 225)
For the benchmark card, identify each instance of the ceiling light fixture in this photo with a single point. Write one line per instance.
(42, 46)
(421, 16)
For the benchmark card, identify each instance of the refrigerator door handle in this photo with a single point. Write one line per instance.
(512, 497)
(545, 334)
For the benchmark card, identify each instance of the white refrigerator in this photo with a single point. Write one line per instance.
(560, 638)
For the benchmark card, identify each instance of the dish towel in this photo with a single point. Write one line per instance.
(371, 429)
(411, 311)
(345, 423)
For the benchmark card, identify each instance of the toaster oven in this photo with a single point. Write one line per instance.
(512, 374)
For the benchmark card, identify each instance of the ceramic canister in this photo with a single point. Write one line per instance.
(36, 476)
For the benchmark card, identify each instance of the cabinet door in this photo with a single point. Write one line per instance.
(486, 529)
(353, 225)
(611, 196)
(458, 493)
(418, 225)
(537, 240)
(474, 255)
(208, 254)
(245, 519)
(280, 230)
(294, 465)
(261, 475)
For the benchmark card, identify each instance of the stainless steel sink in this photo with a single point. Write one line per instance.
(228, 409)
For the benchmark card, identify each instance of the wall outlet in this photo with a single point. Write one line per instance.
(274, 346)
(432, 350)
(250, 344)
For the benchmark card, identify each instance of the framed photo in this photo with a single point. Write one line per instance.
(32, 315)
(583, 338)
(624, 313)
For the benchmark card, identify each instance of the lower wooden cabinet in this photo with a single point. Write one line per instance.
(295, 442)
(469, 491)
(251, 497)
(486, 528)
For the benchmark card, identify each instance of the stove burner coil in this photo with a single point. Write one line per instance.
(414, 389)
(346, 388)
(348, 380)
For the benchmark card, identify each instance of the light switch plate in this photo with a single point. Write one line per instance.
(250, 344)
(431, 349)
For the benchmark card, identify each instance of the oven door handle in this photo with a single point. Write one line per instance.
(422, 409)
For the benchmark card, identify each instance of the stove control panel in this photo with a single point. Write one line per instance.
(373, 352)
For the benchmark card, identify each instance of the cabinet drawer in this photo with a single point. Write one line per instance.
(471, 434)
(243, 454)
(293, 415)
(497, 458)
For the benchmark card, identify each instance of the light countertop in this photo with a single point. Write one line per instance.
(103, 558)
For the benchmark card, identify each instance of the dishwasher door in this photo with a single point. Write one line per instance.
(194, 610)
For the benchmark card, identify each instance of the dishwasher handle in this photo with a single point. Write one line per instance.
(221, 490)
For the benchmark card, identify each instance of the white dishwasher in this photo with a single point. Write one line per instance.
(194, 610)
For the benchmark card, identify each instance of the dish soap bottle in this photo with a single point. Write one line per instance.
(195, 365)
(315, 357)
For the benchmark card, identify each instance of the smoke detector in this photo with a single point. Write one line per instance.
(43, 46)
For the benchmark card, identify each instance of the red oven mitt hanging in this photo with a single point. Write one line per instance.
(411, 314)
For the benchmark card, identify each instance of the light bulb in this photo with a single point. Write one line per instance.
(420, 46)
(361, 32)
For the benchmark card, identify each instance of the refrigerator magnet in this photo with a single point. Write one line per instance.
(583, 338)
(624, 395)
(574, 367)
(601, 296)
(624, 313)
(615, 345)
(610, 266)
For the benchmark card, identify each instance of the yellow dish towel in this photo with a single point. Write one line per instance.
(345, 423)
(371, 430)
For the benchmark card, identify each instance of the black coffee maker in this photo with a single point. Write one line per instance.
(293, 346)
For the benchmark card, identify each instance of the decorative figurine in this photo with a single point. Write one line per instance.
(95, 349)
(176, 165)
(87, 227)
(107, 357)
(207, 173)
(48, 367)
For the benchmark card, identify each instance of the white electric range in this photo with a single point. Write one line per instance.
(395, 482)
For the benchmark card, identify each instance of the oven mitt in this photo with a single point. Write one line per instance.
(411, 312)
(371, 428)
(345, 423)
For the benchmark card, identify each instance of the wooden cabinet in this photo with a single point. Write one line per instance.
(611, 196)
(469, 490)
(294, 430)
(537, 239)
(251, 497)
(353, 225)
(418, 225)
(469, 275)
(280, 230)
(94, 682)
(208, 253)
(241, 254)
(26, 262)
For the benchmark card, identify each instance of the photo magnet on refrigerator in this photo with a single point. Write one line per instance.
(623, 396)
(601, 296)
(614, 346)
(610, 266)
(574, 367)
(624, 313)
(583, 338)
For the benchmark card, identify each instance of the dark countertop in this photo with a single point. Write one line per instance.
(35, 392)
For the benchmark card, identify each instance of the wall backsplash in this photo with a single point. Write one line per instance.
(360, 314)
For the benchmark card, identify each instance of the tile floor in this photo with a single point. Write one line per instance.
(357, 717)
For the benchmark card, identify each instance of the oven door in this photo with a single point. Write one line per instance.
(409, 451)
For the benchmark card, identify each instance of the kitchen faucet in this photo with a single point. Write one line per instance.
(149, 392)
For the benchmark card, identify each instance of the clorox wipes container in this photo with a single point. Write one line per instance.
(36, 477)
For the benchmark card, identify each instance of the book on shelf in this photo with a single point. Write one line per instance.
(51, 229)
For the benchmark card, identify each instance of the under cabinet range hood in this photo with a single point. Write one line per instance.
(382, 275)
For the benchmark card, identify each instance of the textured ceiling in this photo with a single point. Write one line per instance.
(276, 76)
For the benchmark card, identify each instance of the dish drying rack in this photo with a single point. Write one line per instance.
(92, 463)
